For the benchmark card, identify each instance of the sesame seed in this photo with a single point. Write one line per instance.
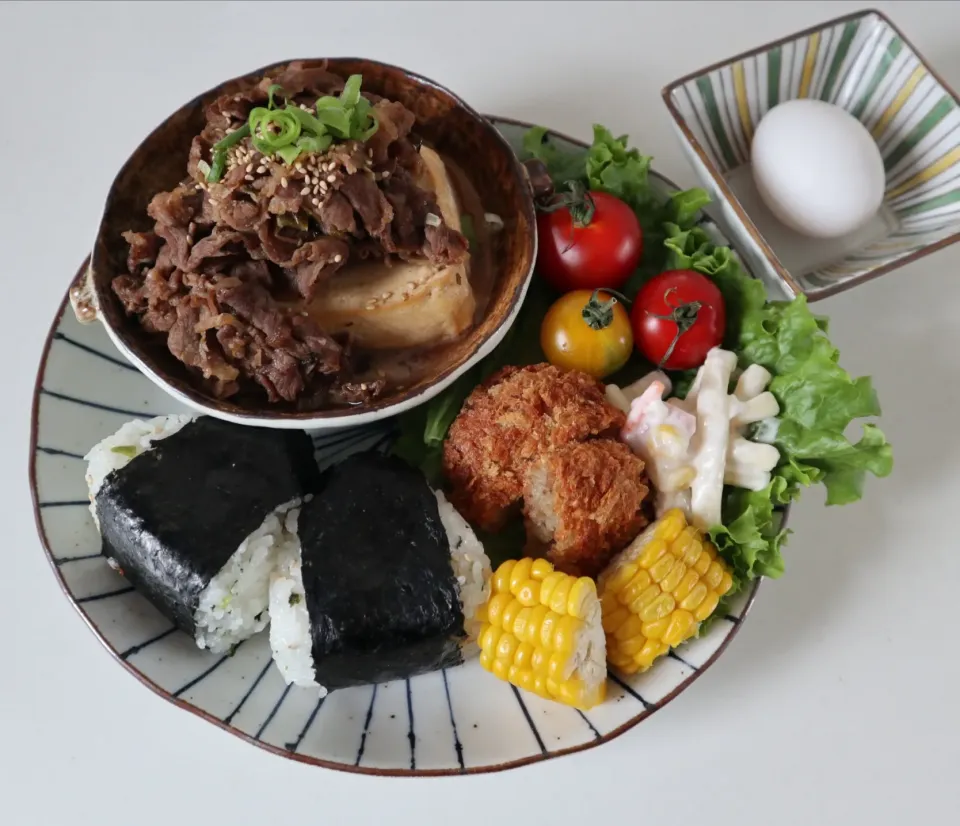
(371, 305)
(386, 174)
(315, 201)
(298, 166)
(337, 258)
(385, 296)
(248, 177)
(249, 167)
(283, 182)
(411, 286)
(261, 169)
(306, 179)
(305, 190)
(331, 179)
(323, 186)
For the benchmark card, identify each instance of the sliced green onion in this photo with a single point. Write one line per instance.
(129, 451)
(266, 141)
(351, 90)
(308, 122)
(233, 138)
(274, 88)
(288, 154)
(314, 143)
(368, 133)
(327, 102)
(337, 120)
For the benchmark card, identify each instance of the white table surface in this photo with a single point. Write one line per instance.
(838, 701)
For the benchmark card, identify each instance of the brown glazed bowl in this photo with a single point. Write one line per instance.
(443, 120)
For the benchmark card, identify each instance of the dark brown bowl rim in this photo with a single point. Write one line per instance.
(718, 179)
(187, 393)
(302, 758)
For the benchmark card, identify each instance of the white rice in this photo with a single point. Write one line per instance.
(290, 634)
(234, 606)
(290, 638)
(126, 444)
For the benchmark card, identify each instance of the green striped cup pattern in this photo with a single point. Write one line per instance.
(864, 66)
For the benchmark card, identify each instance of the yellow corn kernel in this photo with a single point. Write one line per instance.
(706, 608)
(510, 614)
(714, 575)
(670, 525)
(672, 580)
(535, 618)
(489, 638)
(556, 666)
(688, 546)
(499, 669)
(561, 594)
(540, 569)
(686, 585)
(520, 622)
(635, 587)
(486, 659)
(528, 594)
(659, 608)
(639, 605)
(681, 626)
(507, 647)
(523, 656)
(621, 659)
(547, 629)
(620, 577)
(611, 622)
(501, 577)
(662, 567)
(632, 646)
(583, 592)
(632, 627)
(520, 574)
(565, 637)
(496, 606)
(550, 581)
(695, 597)
(654, 550)
(512, 673)
(609, 602)
(703, 564)
(725, 584)
(656, 629)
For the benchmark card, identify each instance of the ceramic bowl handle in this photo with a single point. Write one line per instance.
(538, 179)
(82, 297)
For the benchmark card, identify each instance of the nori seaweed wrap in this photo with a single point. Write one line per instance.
(384, 583)
(195, 522)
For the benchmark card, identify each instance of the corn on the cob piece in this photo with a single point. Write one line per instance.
(657, 591)
(542, 632)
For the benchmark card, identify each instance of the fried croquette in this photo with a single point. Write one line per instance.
(583, 503)
(516, 416)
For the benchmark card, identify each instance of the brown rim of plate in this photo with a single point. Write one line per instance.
(649, 708)
(751, 228)
(526, 209)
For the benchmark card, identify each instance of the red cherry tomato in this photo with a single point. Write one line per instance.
(588, 241)
(678, 317)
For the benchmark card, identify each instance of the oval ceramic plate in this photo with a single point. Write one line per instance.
(449, 722)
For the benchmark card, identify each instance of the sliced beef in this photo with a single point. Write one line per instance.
(444, 245)
(220, 243)
(366, 198)
(336, 216)
(144, 247)
(315, 261)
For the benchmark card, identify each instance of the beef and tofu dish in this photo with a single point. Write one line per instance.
(317, 251)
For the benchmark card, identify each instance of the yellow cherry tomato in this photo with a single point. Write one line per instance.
(588, 331)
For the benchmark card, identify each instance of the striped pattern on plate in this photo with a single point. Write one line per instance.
(863, 65)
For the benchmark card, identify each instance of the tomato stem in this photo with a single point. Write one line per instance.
(578, 201)
(684, 315)
(599, 314)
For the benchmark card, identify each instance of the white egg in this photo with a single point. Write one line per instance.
(817, 168)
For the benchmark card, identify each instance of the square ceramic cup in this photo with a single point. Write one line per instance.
(864, 64)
